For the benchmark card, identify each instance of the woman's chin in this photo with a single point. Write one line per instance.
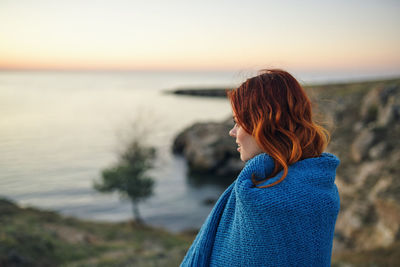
(247, 157)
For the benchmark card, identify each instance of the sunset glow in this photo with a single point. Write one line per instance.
(199, 34)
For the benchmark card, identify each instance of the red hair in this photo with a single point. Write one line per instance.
(274, 108)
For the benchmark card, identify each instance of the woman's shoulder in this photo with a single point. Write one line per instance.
(317, 171)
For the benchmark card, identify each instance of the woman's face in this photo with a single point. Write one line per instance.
(247, 145)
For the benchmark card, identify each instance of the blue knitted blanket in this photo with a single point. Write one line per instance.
(289, 224)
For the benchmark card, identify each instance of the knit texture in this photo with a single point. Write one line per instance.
(289, 224)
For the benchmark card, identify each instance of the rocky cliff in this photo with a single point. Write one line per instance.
(364, 121)
(209, 150)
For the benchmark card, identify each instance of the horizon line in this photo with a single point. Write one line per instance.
(111, 69)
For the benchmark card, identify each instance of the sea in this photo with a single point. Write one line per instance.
(60, 129)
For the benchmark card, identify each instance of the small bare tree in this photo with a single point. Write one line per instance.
(129, 175)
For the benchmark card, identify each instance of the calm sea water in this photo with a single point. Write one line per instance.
(58, 130)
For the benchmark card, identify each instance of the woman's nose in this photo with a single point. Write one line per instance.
(232, 132)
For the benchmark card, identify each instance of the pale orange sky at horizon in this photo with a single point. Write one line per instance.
(200, 35)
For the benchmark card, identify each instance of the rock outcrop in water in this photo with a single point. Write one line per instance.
(364, 119)
(208, 92)
(209, 149)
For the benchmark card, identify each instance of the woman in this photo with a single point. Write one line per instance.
(282, 208)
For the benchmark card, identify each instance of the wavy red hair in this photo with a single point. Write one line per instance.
(274, 108)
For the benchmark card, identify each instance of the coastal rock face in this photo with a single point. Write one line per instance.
(368, 178)
(209, 149)
(364, 121)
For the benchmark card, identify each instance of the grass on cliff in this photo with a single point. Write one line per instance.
(30, 237)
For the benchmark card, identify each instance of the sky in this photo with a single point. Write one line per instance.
(349, 35)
